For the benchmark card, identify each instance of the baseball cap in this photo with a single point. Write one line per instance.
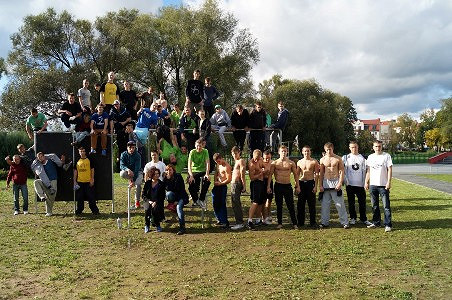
(217, 106)
(131, 143)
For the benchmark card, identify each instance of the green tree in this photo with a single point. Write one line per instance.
(315, 115)
(444, 120)
(365, 141)
(408, 130)
(428, 122)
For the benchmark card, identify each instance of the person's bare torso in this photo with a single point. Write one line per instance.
(307, 168)
(236, 176)
(282, 170)
(222, 173)
(256, 169)
(331, 164)
(267, 167)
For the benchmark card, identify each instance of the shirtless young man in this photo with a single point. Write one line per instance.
(331, 178)
(238, 186)
(282, 167)
(223, 176)
(308, 170)
(257, 186)
(266, 211)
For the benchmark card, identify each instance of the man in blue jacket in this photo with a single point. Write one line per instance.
(130, 166)
(281, 123)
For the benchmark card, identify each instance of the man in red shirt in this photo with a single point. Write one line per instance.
(18, 174)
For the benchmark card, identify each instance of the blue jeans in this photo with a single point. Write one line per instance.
(219, 193)
(24, 189)
(375, 192)
(171, 197)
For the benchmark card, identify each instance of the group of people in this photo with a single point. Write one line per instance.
(268, 178)
(182, 142)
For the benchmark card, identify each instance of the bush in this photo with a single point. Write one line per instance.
(8, 145)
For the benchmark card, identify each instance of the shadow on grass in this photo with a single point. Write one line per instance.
(420, 199)
(427, 224)
(421, 207)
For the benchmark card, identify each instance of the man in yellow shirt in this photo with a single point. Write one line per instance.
(109, 92)
(84, 183)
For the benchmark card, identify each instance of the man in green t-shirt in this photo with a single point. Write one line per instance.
(198, 173)
(36, 122)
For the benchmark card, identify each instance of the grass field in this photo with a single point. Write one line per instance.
(441, 177)
(67, 257)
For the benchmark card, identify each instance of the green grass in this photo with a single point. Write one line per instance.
(67, 257)
(440, 177)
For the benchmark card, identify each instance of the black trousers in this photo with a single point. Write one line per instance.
(239, 137)
(361, 195)
(193, 187)
(284, 191)
(85, 192)
(306, 195)
(257, 140)
(155, 214)
(67, 123)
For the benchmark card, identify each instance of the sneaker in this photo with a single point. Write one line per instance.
(388, 229)
(92, 151)
(323, 226)
(352, 221)
(201, 204)
(371, 225)
(16, 212)
(158, 229)
(279, 226)
(25, 212)
(295, 227)
(367, 223)
(146, 229)
(251, 225)
(181, 231)
(51, 192)
(268, 221)
(346, 226)
(48, 214)
(104, 152)
(237, 227)
(137, 204)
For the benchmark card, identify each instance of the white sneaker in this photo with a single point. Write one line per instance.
(388, 229)
(201, 204)
(352, 221)
(25, 212)
(346, 226)
(372, 225)
(367, 223)
(268, 221)
(237, 227)
(48, 214)
(16, 212)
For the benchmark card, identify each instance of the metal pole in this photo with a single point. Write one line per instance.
(112, 175)
(128, 207)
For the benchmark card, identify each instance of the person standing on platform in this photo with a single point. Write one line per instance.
(109, 92)
(129, 99)
(256, 124)
(84, 97)
(210, 95)
(239, 123)
(194, 92)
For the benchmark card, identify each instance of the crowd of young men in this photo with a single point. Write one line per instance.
(118, 109)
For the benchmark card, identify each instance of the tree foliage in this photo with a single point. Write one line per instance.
(52, 53)
(365, 141)
(316, 115)
(408, 129)
(444, 121)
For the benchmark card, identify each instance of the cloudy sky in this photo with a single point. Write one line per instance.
(389, 57)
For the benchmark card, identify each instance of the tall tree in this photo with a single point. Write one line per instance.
(408, 130)
(444, 122)
(428, 122)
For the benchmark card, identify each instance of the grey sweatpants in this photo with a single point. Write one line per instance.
(236, 192)
(44, 192)
(328, 196)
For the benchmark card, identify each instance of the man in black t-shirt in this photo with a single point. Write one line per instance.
(129, 99)
(194, 92)
(71, 111)
(256, 123)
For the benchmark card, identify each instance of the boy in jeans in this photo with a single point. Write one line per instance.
(18, 174)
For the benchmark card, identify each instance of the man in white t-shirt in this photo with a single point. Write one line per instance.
(378, 181)
(84, 97)
(155, 162)
(355, 175)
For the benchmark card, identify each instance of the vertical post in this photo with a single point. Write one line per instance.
(128, 206)
(112, 175)
(75, 166)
